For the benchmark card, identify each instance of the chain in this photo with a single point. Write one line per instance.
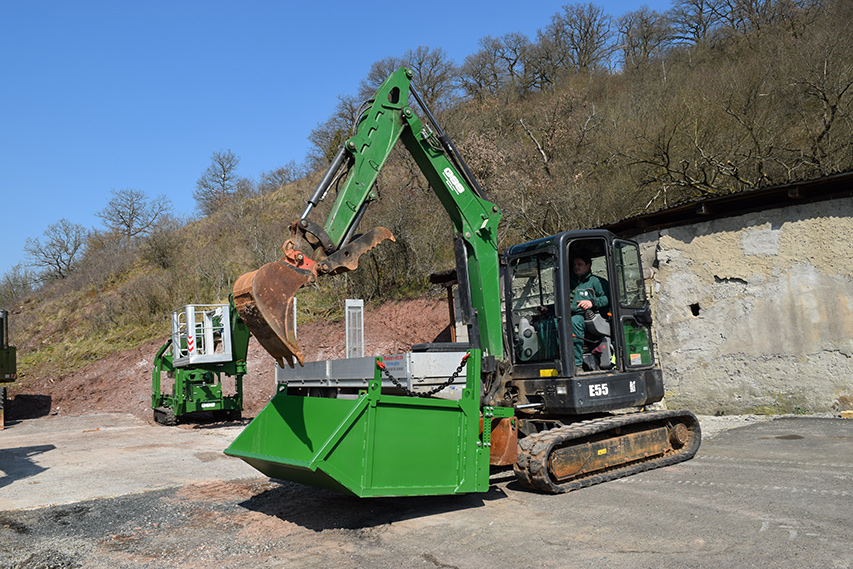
(432, 391)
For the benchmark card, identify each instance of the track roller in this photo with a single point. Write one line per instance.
(590, 452)
(165, 416)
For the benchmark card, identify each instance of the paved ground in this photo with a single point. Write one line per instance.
(63, 460)
(770, 493)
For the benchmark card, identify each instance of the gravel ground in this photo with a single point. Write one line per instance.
(758, 487)
(713, 425)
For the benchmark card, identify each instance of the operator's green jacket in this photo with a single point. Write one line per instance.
(589, 287)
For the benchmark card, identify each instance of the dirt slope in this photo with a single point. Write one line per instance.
(121, 383)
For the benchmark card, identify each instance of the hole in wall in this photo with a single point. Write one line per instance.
(729, 280)
(694, 308)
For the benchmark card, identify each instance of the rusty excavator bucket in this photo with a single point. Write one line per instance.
(264, 299)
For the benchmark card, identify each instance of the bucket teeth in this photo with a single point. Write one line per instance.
(264, 300)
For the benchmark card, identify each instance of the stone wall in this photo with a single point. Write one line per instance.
(755, 313)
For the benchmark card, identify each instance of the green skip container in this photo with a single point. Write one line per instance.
(376, 444)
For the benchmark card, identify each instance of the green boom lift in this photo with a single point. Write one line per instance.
(207, 342)
(535, 395)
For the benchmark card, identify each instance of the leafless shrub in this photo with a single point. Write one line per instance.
(15, 284)
(57, 255)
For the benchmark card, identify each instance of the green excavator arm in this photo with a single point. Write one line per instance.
(264, 297)
(393, 442)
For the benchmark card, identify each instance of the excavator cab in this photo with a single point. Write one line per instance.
(552, 338)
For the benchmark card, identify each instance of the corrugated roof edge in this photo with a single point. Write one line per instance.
(729, 205)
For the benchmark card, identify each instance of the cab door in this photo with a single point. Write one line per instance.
(632, 310)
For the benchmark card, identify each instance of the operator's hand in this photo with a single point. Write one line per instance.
(584, 304)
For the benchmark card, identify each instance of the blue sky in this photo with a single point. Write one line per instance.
(101, 96)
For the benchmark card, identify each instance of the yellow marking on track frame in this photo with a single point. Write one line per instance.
(602, 451)
(547, 373)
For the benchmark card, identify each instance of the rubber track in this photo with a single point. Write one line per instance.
(531, 468)
(165, 416)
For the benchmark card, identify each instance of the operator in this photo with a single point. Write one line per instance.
(589, 293)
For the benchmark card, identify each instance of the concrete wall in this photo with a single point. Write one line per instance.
(755, 313)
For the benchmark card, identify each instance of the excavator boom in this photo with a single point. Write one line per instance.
(264, 298)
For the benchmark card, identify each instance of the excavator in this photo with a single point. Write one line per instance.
(532, 381)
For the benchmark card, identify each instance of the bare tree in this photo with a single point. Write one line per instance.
(64, 243)
(15, 284)
(693, 20)
(327, 137)
(644, 34)
(543, 64)
(276, 179)
(580, 36)
(220, 183)
(435, 75)
(378, 72)
(509, 63)
(514, 51)
(130, 213)
(747, 16)
(482, 72)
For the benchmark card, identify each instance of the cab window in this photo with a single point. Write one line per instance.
(629, 275)
(532, 299)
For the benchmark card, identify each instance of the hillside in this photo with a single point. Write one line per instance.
(762, 96)
(121, 382)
